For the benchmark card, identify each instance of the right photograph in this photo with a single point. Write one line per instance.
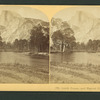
(75, 46)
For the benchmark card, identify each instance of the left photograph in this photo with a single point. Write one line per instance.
(24, 45)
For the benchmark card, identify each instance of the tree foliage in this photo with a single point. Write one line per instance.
(64, 37)
(39, 38)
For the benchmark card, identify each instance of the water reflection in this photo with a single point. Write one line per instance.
(12, 57)
(76, 57)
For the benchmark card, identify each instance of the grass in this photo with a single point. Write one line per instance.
(20, 73)
(74, 73)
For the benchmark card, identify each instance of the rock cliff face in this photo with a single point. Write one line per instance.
(84, 25)
(13, 26)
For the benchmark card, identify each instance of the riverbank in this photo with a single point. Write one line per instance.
(40, 55)
(21, 73)
(70, 51)
(71, 73)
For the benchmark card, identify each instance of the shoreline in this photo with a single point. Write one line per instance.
(20, 73)
(33, 55)
(75, 51)
(72, 73)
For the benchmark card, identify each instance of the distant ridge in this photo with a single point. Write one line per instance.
(85, 26)
(14, 26)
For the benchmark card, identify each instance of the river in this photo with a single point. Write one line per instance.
(75, 68)
(21, 68)
(21, 58)
(76, 57)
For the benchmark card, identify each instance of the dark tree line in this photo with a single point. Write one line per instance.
(63, 39)
(38, 41)
(90, 46)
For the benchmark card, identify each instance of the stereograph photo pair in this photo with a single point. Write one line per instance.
(36, 50)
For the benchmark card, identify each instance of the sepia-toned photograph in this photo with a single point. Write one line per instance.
(24, 45)
(75, 46)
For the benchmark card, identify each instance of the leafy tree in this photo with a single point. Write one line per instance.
(16, 44)
(1, 44)
(64, 38)
(90, 45)
(20, 45)
(39, 38)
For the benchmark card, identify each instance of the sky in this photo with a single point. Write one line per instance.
(27, 12)
(67, 13)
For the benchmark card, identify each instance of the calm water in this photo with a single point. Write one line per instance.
(76, 57)
(22, 58)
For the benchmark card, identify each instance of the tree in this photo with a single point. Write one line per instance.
(39, 39)
(64, 38)
(20, 45)
(1, 44)
(90, 45)
(16, 44)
